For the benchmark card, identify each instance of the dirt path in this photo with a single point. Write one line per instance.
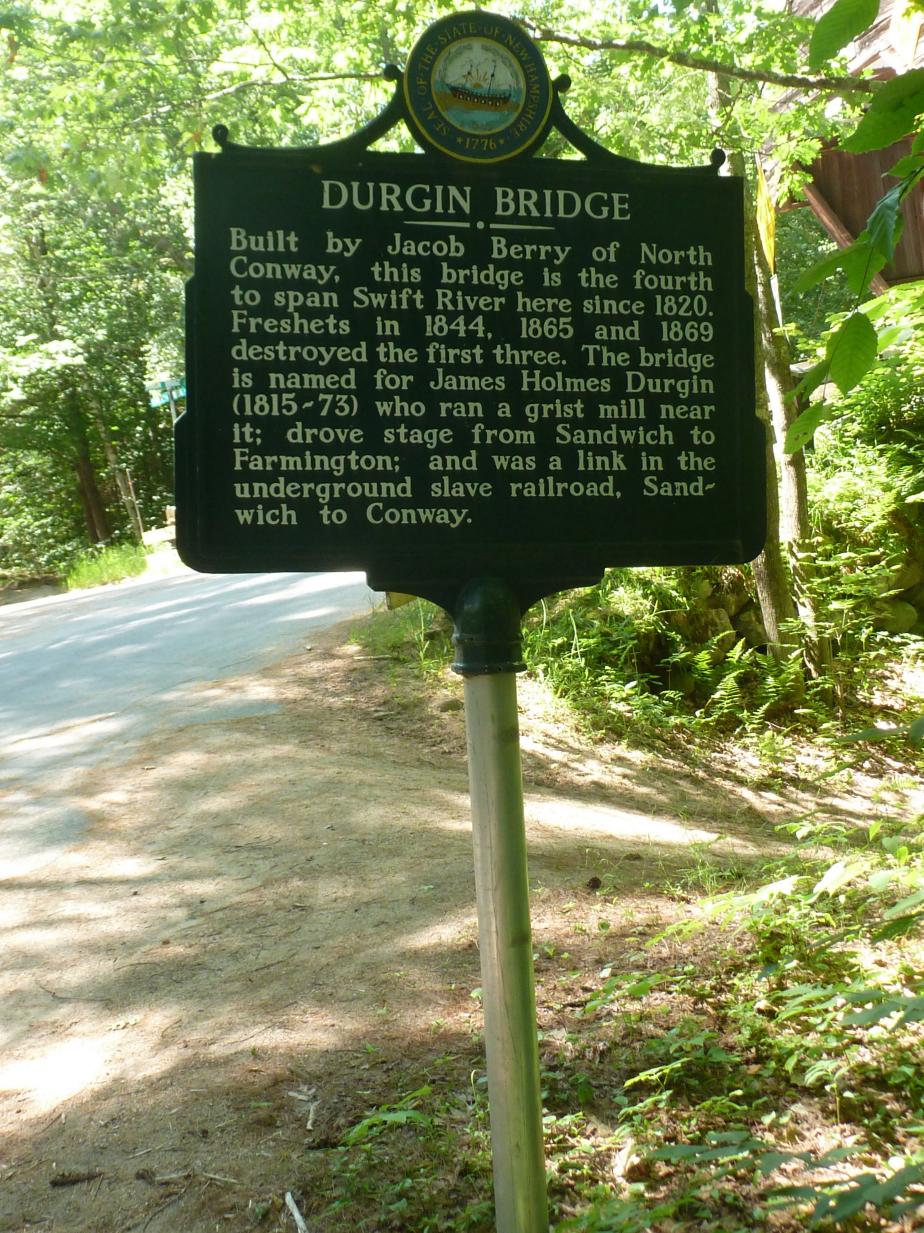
(270, 915)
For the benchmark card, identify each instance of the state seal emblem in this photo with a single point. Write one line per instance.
(477, 88)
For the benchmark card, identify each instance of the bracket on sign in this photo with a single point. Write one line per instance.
(396, 112)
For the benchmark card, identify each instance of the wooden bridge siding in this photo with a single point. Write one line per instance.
(852, 184)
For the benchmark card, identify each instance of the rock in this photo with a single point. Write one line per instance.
(909, 577)
(683, 623)
(915, 595)
(903, 575)
(702, 588)
(749, 626)
(895, 616)
(705, 624)
(450, 704)
(733, 597)
(719, 632)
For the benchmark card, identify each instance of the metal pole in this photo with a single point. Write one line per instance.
(489, 657)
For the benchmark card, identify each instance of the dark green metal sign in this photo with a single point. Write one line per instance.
(433, 370)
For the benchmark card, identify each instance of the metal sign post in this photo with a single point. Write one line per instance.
(487, 640)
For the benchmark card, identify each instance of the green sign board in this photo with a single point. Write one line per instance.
(435, 368)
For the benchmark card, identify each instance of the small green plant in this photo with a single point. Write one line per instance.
(416, 632)
(400, 1114)
(100, 565)
(421, 1162)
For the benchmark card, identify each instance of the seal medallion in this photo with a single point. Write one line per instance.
(477, 88)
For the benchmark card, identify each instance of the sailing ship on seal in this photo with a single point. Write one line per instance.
(477, 91)
(479, 85)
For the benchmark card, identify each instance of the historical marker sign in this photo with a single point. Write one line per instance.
(434, 370)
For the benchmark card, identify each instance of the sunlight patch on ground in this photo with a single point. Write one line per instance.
(567, 814)
(60, 1072)
(73, 735)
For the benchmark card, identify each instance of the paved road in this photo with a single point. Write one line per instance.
(85, 676)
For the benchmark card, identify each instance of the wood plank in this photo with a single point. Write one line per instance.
(836, 229)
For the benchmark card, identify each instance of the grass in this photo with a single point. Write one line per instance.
(418, 632)
(100, 565)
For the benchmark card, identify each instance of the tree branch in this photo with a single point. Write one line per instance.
(830, 85)
(258, 84)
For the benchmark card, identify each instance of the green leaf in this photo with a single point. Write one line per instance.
(851, 351)
(816, 375)
(768, 1161)
(849, 1201)
(881, 880)
(866, 1189)
(886, 222)
(904, 905)
(871, 734)
(842, 23)
(802, 429)
(818, 272)
(891, 115)
(914, 731)
(910, 165)
(914, 1011)
(911, 1008)
(861, 261)
(388, 1117)
(891, 335)
(870, 993)
(897, 928)
(839, 874)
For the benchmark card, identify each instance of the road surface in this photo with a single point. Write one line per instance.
(85, 676)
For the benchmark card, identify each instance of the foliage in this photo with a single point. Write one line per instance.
(40, 517)
(800, 242)
(866, 482)
(835, 28)
(417, 632)
(634, 660)
(817, 988)
(894, 112)
(421, 1162)
(601, 645)
(897, 315)
(110, 563)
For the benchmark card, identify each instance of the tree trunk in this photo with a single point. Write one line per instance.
(795, 528)
(771, 573)
(91, 499)
(121, 478)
